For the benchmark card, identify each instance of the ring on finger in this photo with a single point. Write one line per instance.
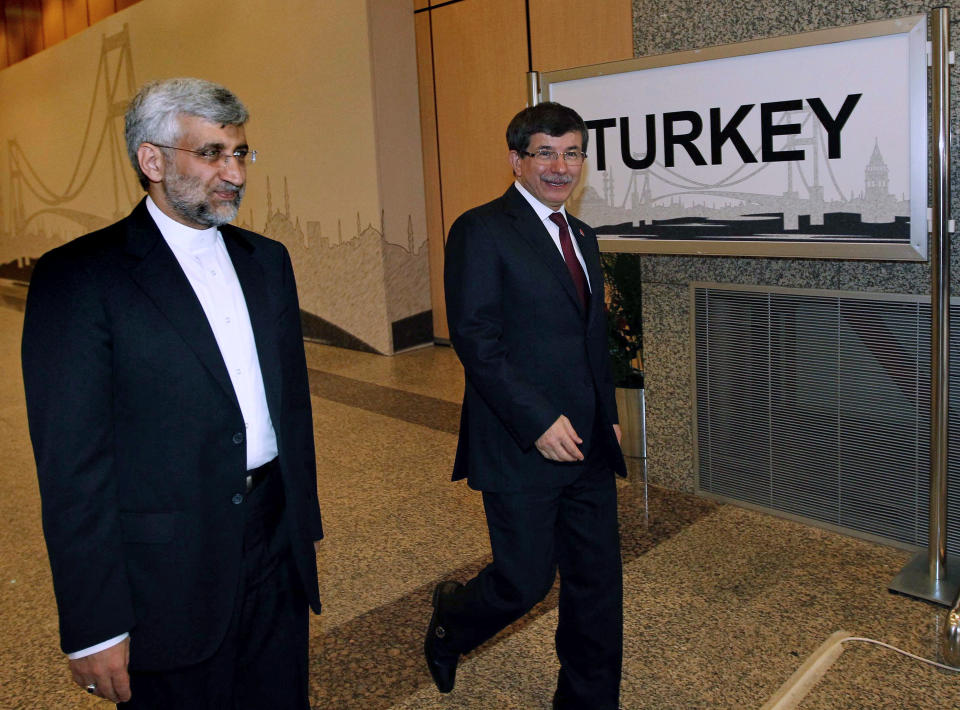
(90, 688)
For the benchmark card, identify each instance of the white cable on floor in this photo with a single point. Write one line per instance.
(792, 692)
(900, 650)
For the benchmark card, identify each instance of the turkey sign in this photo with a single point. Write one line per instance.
(812, 145)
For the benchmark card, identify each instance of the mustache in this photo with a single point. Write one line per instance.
(563, 179)
(237, 191)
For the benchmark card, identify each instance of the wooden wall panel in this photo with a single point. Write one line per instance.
(602, 31)
(99, 9)
(54, 29)
(3, 40)
(16, 43)
(75, 17)
(32, 27)
(480, 55)
(431, 173)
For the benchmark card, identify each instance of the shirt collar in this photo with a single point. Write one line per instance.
(180, 236)
(542, 210)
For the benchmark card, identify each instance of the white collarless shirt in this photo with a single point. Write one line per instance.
(544, 212)
(203, 257)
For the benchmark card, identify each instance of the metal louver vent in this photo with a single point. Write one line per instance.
(817, 405)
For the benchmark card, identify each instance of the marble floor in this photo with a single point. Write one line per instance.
(723, 604)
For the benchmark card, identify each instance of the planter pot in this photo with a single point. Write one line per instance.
(632, 411)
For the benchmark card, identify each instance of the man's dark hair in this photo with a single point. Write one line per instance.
(549, 117)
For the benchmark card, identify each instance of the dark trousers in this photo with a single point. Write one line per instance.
(262, 662)
(532, 534)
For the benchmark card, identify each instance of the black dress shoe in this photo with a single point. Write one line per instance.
(441, 661)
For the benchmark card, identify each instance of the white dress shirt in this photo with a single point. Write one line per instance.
(203, 257)
(544, 212)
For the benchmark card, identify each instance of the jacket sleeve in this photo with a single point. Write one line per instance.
(67, 373)
(475, 302)
(604, 378)
(298, 414)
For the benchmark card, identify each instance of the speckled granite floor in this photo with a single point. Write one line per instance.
(722, 604)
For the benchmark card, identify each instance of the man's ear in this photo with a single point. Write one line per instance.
(515, 162)
(152, 161)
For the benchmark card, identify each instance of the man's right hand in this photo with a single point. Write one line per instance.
(107, 669)
(559, 442)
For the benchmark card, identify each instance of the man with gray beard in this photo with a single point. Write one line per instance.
(169, 410)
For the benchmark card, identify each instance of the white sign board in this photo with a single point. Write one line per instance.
(813, 145)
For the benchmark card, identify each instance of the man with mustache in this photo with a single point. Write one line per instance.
(169, 410)
(538, 430)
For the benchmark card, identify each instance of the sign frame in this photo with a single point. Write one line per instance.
(914, 248)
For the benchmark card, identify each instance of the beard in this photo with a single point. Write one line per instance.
(191, 200)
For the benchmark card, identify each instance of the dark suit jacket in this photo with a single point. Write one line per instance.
(529, 351)
(139, 438)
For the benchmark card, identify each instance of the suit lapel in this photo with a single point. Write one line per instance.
(157, 272)
(535, 233)
(255, 293)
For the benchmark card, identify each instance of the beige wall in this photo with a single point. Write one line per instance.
(399, 150)
(339, 142)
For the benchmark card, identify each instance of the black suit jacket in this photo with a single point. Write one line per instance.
(139, 438)
(529, 350)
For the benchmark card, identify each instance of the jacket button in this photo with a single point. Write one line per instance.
(238, 438)
(237, 498)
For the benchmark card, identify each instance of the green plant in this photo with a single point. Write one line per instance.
(624, 324)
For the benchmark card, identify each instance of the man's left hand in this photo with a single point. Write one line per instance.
(106, 670)
(616, 430)
(559, 442)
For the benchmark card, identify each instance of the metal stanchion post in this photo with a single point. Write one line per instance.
(926, 576)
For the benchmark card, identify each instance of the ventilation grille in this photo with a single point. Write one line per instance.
(819, 406)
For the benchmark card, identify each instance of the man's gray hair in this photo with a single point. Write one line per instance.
(152, 116)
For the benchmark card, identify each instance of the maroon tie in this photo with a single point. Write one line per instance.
(570, 256)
